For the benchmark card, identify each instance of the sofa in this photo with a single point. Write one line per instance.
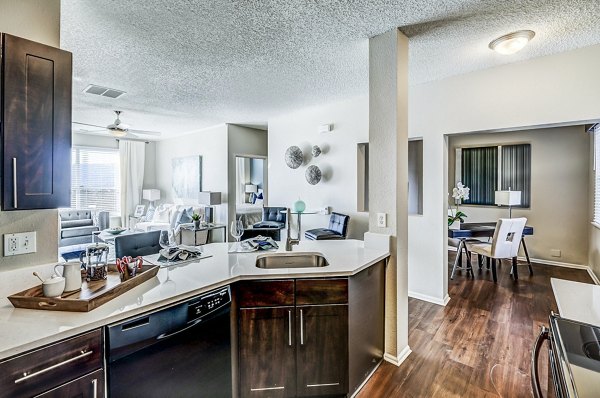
(167, 216)
(77, 226)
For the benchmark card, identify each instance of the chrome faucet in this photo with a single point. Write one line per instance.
(289, 242)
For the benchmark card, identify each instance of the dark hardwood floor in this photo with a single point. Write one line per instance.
(479, 345)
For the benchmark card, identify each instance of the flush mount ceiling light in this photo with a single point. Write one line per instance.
(512, 42)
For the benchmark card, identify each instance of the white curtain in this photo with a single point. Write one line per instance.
(132, 156)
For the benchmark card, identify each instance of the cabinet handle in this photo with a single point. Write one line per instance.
(290, 328)
(301, 328)
(49, 368)
(16, 203)
(95, 385)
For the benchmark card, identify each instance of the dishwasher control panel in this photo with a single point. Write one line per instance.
(208, 303)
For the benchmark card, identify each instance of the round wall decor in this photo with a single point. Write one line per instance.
(316, 151)
(294, 157)
(313, 175)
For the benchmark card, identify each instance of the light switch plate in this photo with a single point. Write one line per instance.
(381, 220)
(555, 253)
(21, 243)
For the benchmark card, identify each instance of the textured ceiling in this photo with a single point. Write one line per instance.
(187, 64)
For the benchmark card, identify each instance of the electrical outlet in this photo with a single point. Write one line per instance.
(555, 253)
(21, 243)
(381, 220)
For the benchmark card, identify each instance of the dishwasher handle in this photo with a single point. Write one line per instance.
(535, 355)
(183, 329)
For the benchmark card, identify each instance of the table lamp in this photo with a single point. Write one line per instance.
(209, 199)
(151, 195)
(251, 188)
(508, 198)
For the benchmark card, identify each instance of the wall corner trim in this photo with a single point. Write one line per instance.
(397, 360)
(429, 299)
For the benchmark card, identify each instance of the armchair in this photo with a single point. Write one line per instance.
(338, 229)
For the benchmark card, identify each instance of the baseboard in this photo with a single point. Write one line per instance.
(429, 299)
(397, 360)
(565, 265)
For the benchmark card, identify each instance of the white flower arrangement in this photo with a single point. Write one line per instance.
(460, 192)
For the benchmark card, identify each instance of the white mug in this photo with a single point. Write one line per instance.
(72, 274)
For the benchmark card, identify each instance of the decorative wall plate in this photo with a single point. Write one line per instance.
(294, 157)
(313, 175)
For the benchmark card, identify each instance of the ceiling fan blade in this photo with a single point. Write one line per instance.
(144, 132)
(83, 131)
(91, 125)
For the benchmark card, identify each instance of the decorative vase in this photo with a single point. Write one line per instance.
(299, 206)
(196, 224)
(454, 225)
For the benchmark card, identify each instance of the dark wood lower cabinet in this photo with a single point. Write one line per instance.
(322, 350)
(88, 386)
(267, 352)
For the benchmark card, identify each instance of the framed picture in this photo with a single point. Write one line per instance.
(187, 177)
(139, 210)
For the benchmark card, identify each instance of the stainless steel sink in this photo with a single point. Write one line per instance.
(291, 260)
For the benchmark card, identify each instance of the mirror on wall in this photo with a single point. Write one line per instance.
(250, 188)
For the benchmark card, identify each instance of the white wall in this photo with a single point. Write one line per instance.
(559, 180)
(39, 21)
(338, 162)
(211, 144)
(544, 91)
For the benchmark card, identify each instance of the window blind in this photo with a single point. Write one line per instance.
(95, 179)
(597, 174)
(480, 173)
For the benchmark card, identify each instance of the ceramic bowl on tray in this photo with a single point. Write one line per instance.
(116, 230)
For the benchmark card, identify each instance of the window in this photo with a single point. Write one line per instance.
(488, 169)
(597, 175)
(95, 179)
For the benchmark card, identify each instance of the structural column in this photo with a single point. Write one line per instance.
(388, 176)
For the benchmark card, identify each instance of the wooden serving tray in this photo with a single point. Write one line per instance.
(92, 294)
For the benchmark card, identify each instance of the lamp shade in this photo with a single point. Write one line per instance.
(251, 188)
(151, 194)
(508, 198)
(209, 198)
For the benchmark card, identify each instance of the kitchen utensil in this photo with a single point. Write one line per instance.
(38, 276)
(95, 260)
(72, 274)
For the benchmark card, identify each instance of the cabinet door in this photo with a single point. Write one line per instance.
(88, 386)
(322, 350)
(266, 349)
(36, 125)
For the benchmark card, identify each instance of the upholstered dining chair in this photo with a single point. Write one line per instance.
(505, 244)
(337, 229)
(134, 245)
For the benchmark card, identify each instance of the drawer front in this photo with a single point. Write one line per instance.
(265, 293)
(321, 291)
(88, 386)
(43, 369)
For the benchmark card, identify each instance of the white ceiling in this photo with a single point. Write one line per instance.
(189, 64)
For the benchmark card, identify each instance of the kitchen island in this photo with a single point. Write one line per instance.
(23, 330)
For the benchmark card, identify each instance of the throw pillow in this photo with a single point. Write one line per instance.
(185, 217)
(149, 214)
(252, 197)
(161, 215)
(260, 196)
(174, 217)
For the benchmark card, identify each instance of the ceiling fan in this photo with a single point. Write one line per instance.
(116, 129)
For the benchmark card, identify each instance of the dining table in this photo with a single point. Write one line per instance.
(476, 231)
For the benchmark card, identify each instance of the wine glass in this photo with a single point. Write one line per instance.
(165, 241)
(237, 230)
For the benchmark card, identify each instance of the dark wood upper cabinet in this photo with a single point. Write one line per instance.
(35, 125)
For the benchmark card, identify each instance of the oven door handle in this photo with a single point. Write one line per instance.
(535, 355)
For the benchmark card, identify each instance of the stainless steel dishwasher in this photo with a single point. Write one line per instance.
(180, 351)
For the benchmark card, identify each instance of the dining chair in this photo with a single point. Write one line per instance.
(505, 244)
(134, 245)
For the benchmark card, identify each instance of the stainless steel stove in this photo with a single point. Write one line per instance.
(574, 354)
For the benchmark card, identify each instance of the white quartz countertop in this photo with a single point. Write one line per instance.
(577, 301)
(24, 329)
